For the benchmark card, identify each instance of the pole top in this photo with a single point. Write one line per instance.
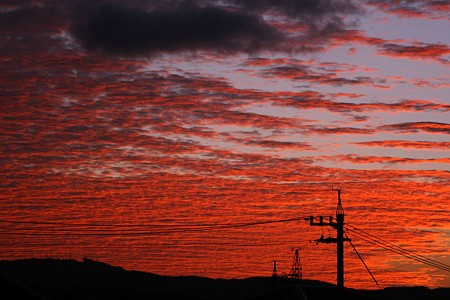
(339, 208)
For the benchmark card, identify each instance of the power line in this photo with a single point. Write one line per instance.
(410, 252)
(399, 250)
(160, 228)
(364, 263)
(404, 253)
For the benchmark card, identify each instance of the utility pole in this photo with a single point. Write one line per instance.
(339, 240)
(274, 273)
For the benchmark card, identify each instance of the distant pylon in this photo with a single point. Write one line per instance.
(296, 270)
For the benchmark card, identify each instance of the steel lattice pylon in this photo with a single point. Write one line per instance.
(296, 270)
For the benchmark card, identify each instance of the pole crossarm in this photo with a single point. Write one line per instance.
(321, 222)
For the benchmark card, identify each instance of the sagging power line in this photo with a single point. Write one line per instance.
(385, 245)
(148, 229)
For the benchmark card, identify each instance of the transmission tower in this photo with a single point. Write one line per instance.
(296, 270)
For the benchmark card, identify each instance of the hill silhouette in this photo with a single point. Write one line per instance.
(70, 279)
(53, 279)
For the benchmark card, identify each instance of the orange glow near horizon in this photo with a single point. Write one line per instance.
(163, 239)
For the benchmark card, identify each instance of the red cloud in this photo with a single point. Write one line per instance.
(310, 100)
(397, 48)
(354, 158)
(331, 130)
(415, 51)
(324, 73)
(407, 144)
(249, 140)
(434, 83)
(414, 127)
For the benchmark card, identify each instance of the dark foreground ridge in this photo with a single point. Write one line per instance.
(54, 279)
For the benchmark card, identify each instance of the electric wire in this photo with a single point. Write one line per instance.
(362, 260)
(399, 250)
(74, 230)
(410, 256)
(410, 252)
(148, 229)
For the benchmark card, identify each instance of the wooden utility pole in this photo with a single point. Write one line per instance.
(339, 240)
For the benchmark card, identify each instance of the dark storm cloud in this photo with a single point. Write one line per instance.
(122, 30)
(226, 27)
(321, 16)
(27, 18)
(301, 8)
(311, 12)
(152, 27)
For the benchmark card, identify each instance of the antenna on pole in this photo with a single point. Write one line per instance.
(339, 208)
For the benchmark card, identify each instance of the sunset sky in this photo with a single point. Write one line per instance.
(162, 135)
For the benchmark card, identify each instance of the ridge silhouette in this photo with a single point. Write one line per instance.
(52, 279)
